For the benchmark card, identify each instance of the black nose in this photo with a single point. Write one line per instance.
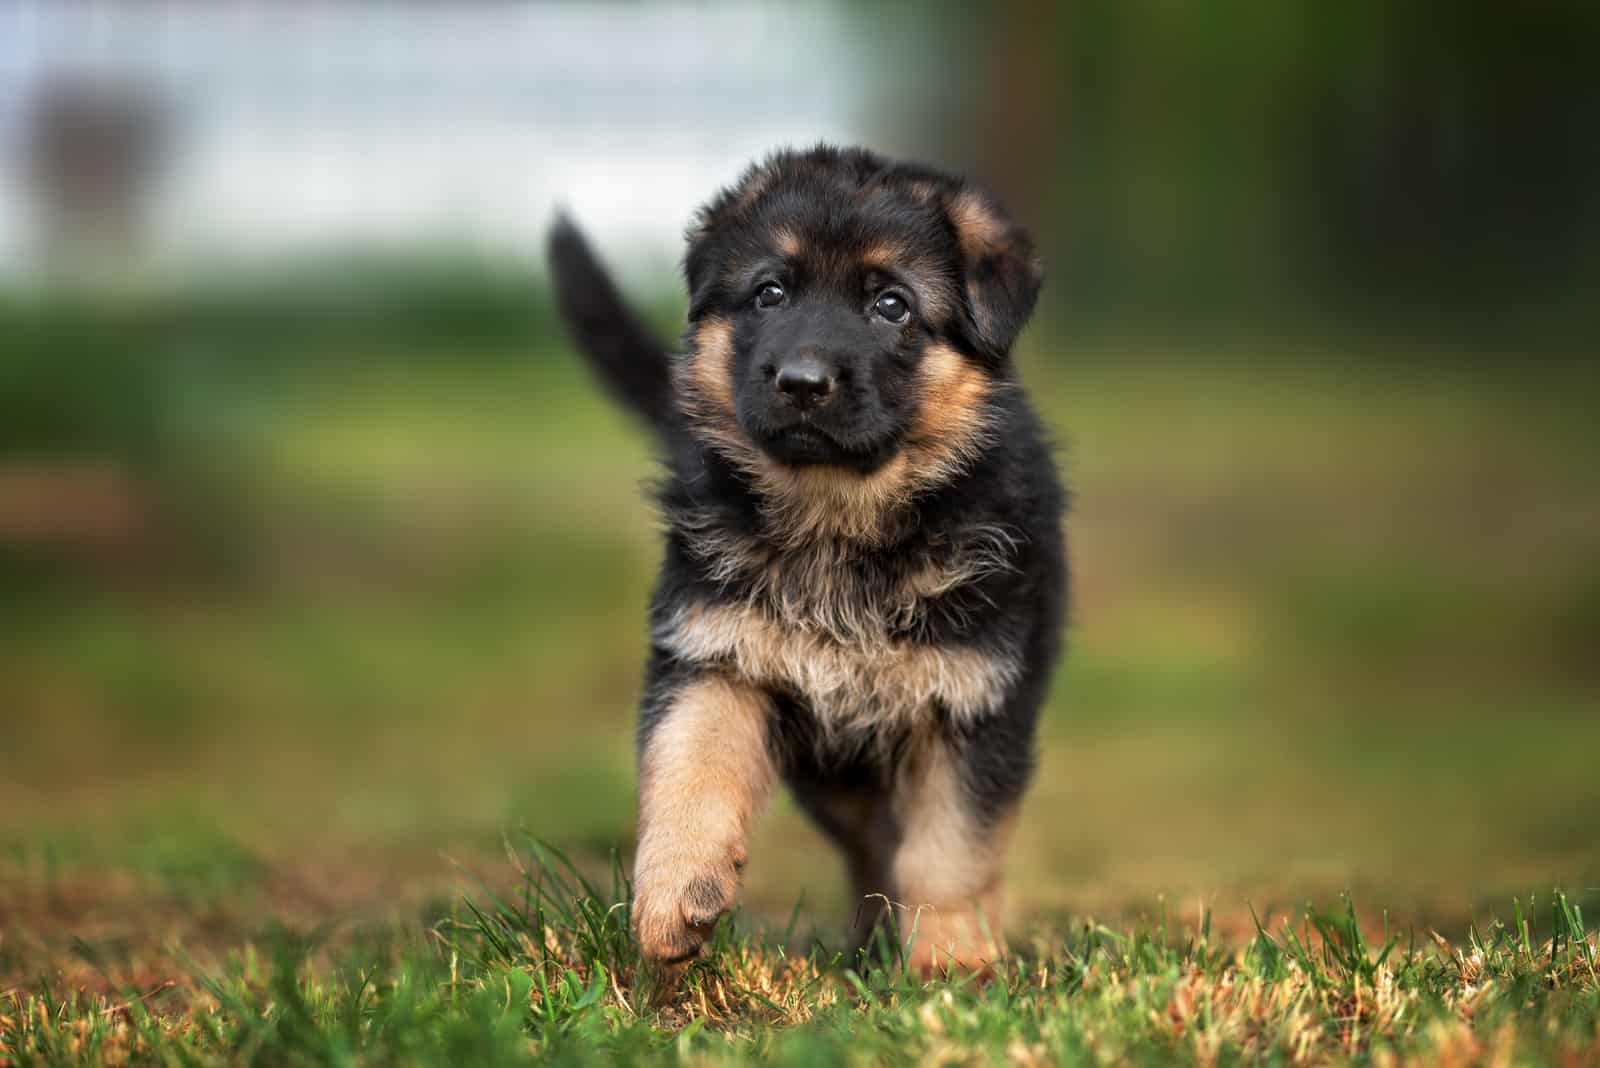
(805, 382)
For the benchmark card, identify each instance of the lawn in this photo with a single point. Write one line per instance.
(287, 717)
(549, 974)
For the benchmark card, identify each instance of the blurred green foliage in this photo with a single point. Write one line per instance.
(1366, 168)
(379, 584)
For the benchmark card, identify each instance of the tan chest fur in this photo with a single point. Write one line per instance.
(817, 621)
(849, 685)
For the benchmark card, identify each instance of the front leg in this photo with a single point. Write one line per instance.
(705, 769)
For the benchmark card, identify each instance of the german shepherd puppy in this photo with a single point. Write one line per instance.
(864, 578)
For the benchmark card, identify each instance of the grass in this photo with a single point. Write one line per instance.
(342, 616)
(548, 974)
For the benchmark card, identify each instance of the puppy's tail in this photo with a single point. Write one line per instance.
(629, 359)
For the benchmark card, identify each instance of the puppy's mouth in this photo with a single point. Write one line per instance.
(804, 444)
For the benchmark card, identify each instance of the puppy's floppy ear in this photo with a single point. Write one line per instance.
(1001, 273)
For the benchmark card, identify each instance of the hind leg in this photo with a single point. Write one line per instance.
(860, 822)
(946, 865)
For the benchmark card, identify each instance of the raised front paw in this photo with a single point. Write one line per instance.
(678, 899)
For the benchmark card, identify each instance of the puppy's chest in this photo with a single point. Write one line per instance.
(850, 636)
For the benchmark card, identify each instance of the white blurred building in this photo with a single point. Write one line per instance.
(299, 125)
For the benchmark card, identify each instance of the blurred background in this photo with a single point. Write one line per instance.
(323, 564)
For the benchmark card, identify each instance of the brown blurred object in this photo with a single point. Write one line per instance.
(1018, 121)
(94, 150)
(76, 503)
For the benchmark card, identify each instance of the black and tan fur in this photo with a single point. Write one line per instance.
(864, 579)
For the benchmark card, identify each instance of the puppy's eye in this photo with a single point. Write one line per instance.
(769, 295)
(893, 307)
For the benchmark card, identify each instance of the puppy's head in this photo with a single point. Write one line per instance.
(851, 317)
